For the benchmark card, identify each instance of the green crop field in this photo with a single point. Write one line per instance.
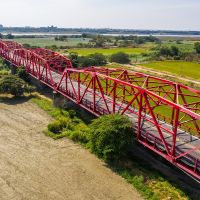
(86, 52)
(189, 69)
(42, 42)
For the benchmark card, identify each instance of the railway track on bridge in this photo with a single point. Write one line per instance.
(165, 114)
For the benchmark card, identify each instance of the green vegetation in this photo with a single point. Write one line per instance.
(197, 47)
(111, 136)
(189, 69)
(12, 85)
(66, 124)
(4, 67)
(119, 57)
(21, 73)
(86, 61)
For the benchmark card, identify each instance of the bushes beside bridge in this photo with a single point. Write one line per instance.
(16, 85)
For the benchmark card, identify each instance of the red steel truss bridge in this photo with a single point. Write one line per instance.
(165, 114)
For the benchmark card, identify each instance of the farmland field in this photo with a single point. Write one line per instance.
(106, 51)
(189, 69)
(42, 42)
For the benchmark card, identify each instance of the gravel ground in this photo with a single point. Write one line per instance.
(34, 166)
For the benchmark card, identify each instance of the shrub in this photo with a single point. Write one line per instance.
(66, 123)
(119, 57)
(144, 54)
(177, 58)
(55, 127)
(78, 136)
(111, 136)
(30, 89)
(21, 73)
(12, 85)
(72, 113)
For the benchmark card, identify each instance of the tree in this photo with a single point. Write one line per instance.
(9, 36)
(119, 57)
(21, 73)
(84, 35)
(111, 136)
(174, 50)
(99, 58)
(100, 42)
(26, 46)
(1, 35)
(12, 85)
(197, 47)
(73, 56)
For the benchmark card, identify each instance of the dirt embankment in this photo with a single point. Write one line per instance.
(34, 166)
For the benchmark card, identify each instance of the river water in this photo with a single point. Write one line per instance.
(55, 34)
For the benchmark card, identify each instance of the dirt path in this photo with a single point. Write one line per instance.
(34, 166)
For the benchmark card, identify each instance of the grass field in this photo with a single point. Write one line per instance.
(86, 52)
(189, 69)
(42, 42)
(182, 46)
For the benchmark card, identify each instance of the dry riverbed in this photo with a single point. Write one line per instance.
(34, 166)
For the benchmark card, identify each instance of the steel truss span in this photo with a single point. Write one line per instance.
(165, 114)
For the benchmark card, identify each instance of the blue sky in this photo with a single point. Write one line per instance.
(129, 14)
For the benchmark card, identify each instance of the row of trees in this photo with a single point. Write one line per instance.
(86, 61)
(97, 59)
(100, 40)
(10, 36)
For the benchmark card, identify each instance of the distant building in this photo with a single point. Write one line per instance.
(52, 27)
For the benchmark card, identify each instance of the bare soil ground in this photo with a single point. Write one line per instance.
(34, 166)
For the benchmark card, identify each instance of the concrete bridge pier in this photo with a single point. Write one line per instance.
(13, 69)
(58, 100)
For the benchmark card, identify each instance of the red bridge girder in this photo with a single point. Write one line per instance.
(122, 91)
(12, 45)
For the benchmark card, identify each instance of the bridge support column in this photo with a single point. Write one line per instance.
(13, 69)
(58, 100)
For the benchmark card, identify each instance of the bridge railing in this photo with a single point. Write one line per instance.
(99, 110)
(158, 115)
(188, 161)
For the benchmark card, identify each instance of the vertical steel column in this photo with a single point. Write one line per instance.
(123, 93)
(78, 87)
(106, 82)
(173, 109)
(139, 117)
(66, 80)
(114, 94)
(175, 133)
(94, 92)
